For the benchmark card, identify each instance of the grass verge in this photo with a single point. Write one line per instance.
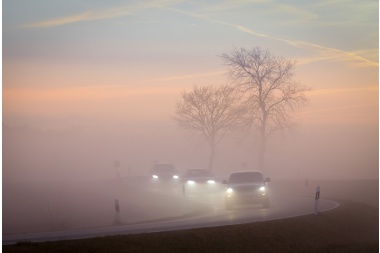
(352, 227)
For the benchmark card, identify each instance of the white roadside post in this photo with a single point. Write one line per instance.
(317, 193)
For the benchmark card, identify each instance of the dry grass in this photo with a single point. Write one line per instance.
(353, 227)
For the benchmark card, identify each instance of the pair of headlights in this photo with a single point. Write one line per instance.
(230, 190)
(156, 177)
(208, 181)
(189, 181)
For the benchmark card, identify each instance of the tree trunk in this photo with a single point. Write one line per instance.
(261, 154)
(263, 139)
(212, 154)
(263, 143)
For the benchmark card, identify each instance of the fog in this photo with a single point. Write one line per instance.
(64, 178)
(80, 153)
(90, 89)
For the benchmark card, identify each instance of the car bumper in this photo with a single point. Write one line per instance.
(256, 198)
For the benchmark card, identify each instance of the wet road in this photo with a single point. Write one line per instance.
(210, 199)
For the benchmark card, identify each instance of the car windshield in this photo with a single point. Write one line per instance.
(246, 177)
(198, 173)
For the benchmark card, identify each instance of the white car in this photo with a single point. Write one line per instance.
(246, 187)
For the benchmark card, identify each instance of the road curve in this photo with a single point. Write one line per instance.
(281, 207)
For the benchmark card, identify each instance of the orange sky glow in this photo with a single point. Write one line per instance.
(106, 65)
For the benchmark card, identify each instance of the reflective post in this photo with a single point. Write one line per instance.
(317, 193)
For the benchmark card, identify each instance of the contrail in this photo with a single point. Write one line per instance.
(332, 53)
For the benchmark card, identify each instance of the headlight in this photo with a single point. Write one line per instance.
(229, 190)
(262, 188)
(155, 176)
(175, 177)
(211, 181)
(190, 182)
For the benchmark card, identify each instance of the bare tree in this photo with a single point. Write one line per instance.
(269, 90)
(211, 111)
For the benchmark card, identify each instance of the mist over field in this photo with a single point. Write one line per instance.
(73, 154)
(92, 89)
(65, 179)
(59, 173)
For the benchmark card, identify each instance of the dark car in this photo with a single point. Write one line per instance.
(164, 171)
(246, 187)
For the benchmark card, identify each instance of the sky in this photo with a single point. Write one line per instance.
(120, 66)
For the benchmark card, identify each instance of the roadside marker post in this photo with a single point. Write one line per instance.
(316, 204)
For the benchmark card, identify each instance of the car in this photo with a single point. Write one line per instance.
(246, 187)
(198, 181)
(198, 176)
(164, 172)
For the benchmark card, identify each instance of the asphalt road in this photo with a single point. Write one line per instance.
(210, 200)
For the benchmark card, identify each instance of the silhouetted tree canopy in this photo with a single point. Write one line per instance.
(211, 111)
(269, 90)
